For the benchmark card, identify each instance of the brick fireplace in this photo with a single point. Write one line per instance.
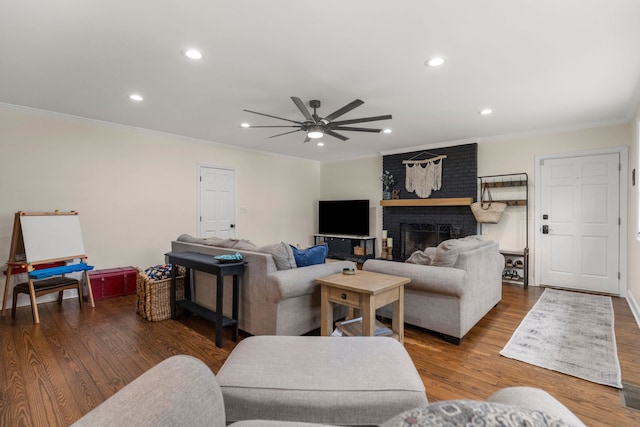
(416, 227)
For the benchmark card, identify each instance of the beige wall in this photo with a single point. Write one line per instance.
(514, 155)
(495, 156)
(356, 179)
(137, 190)
(633, 246)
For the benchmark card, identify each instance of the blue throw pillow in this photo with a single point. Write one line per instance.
(310, 256)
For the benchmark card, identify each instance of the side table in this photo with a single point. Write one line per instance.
(367, 291)
(207, 264)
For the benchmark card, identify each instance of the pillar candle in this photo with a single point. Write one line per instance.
(384, 234)
(390, 242)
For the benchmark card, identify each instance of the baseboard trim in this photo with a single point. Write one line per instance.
(635, 308)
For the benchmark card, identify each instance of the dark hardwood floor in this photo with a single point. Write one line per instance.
(54, 372)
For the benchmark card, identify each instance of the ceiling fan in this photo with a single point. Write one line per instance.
(316, 126)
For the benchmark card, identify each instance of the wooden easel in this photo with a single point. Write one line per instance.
(51, 237)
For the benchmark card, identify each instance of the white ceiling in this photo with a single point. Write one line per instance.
(540, 64)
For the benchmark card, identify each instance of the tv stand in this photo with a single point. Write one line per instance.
(348, 247)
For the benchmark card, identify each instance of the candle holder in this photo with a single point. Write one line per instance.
(387, 251)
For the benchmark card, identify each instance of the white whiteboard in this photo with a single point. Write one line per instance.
(48, 237)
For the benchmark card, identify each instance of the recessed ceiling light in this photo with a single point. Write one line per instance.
(387, 130)
(193, 54)
(485, 111)
(245, 125)
(320, 144)
(435, 61)
(136, 97)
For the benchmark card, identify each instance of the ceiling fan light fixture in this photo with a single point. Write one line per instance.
(320, 144)
(315, 132)
(387, 130)
(245, 125)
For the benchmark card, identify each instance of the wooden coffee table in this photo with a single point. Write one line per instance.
(366, 291)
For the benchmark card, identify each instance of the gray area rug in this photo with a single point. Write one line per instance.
(572, 333)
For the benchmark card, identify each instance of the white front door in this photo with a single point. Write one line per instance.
(217, 202)
(580, 235)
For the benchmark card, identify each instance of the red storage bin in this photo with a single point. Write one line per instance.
(113, 282)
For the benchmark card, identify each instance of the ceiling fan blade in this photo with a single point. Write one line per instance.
(356, 129)
(286, 133)
(335, 135)
(362, 120)
(303, 108)
(350, 106)
(274, 117)
(283, 126)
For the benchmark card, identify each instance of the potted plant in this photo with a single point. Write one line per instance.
(387, 182)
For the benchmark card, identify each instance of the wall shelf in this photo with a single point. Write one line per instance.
(455, 201)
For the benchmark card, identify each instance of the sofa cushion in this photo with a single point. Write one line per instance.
(311, 256)
(474, 413)
(239, 244)
(422, 257)
(281, 253)
(447, 251)
(245, 245)
(188, 238)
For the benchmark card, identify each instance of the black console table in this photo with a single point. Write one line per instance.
(207, 264)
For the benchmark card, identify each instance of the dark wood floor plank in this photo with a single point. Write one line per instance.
(46, 389)
(75, 359)
(54, 372)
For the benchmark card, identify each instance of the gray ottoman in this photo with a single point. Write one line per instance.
(331, 380)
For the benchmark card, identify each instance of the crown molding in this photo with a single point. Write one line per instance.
(427, 146)
(113, 125)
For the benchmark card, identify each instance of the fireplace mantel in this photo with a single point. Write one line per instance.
(454, 201)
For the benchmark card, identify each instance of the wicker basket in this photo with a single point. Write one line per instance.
(486, 211)
(154, 297)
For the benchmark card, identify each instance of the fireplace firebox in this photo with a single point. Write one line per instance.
(417, 237)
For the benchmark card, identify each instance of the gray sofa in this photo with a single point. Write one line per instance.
(276, 297)
(182, 391)
(454, 286)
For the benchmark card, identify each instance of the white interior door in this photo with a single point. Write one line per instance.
(217, 202)
(580, 235)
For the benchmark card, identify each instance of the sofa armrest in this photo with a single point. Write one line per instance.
(301, 281)
(180, 390)
(485, 260)
(426, 278)
(536, 399)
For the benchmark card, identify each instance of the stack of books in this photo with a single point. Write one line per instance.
(353, 328)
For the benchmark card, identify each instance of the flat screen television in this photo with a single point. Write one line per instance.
(343, 217)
